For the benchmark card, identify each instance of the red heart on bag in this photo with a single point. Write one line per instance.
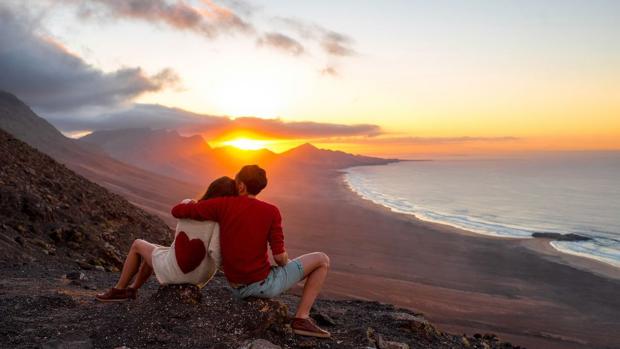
(189, 253)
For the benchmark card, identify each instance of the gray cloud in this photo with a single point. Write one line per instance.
(211, 126)
(404, 141)
(447, 140)
(281, 42)
(138, 116)
(211, 18)
(208, 19)
(160, 117)
(305, 29)
(332, 42)
(241, 6)
(54, 80)
(303, 129)
(329, 70)
(49, 77)
(337, 44)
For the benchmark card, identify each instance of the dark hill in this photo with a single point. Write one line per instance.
(17, 119)
(48, 211)
(154, 192)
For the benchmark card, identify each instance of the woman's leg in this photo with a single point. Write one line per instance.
(140, 252)
(143, 275)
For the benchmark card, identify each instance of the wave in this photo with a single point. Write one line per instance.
(401, 205)
(602, 249)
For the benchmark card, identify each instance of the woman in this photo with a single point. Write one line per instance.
(185, 261)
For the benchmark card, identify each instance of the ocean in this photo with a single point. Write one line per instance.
(509, 197)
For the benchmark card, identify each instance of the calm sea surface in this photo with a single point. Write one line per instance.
(560, 193)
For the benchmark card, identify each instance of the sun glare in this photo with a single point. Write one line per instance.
(246, 143)
(250, 96)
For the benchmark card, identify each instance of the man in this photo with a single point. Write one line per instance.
(247, 226)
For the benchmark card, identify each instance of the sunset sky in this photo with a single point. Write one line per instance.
(393, 77)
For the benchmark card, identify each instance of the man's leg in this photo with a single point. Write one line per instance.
(140, 251)
(315, 267)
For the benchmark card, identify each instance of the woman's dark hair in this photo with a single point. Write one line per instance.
(223, 186)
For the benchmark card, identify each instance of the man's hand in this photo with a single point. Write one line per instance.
(281, 259)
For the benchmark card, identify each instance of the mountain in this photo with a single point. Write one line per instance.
(154, 192)
(191, 159)
(159, 151)
(169, 153)
(233, 158)
(48, 211)
(310, 155)
(166, 152)
(154, 169)
(138, 142)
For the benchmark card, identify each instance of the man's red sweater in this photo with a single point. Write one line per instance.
(246, 226)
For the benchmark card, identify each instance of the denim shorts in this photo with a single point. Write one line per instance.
(279, 280)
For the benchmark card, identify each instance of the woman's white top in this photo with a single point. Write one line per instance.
(197, 271)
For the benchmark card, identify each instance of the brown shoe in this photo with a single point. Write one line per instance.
(132, 293)
(307, 327)
(116, 295)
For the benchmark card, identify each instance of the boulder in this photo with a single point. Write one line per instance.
(561, 237)
(423, 328)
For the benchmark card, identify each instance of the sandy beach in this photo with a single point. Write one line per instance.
(523, 290)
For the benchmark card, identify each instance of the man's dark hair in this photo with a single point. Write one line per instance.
(254, 178)
(223, 186)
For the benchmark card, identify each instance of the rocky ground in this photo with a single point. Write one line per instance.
(54, 307)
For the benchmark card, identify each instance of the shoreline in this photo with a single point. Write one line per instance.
(579, 260)
(592, 265)
(464, 282)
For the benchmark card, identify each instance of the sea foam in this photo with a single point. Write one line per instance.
(508, 199)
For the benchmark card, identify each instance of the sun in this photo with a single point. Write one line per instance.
(246, 143)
